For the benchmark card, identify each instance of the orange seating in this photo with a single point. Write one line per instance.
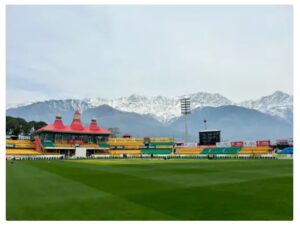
(90, 145)
(20, 143)
(22, 152)
(118, 152)
(255, 150)
(189, 150)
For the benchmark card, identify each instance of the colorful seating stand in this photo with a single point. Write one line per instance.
(22, 152)
(162, 144)
(26, 144)
(221, 150)
(103, 145)
(287, 150)
(87, 145)
(188, 150)
(102, 152)
(90, 145)
(136, 146)
(130, 152)
(125, 142)
(156, 151)
(255, 150)
(48, 143)
(162, 140)
(62, 144)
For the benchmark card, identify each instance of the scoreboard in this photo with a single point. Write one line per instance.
(209, 137)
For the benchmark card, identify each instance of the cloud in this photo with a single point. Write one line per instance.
(241, 52)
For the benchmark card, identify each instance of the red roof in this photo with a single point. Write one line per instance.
(75, 127)
(58, 123)
(94, 126)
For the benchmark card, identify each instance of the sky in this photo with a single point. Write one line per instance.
(59, 52)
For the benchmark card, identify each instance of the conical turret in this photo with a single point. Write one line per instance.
(58, 123)
(76, 123)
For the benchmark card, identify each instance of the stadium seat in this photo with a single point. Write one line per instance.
(287, 150)
(27, 144)
(22, 152)
(104, 152)
(255, 150)
(119, 152)
(162, 140)
(125, 142)
(48, 143)
(156, 151)
(132, 147)
(90, 145)
(62, 143)
(221, 150)
(189, 150)
(103, 145)
(161, 143)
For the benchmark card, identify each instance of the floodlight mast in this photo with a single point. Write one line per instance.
(185, 110)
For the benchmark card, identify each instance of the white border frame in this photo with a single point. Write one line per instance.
(296, 14)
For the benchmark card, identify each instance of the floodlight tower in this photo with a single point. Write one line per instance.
(185, 104)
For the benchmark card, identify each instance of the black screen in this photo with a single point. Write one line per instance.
(209, 137)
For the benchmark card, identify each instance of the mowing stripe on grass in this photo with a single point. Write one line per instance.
(150, 190)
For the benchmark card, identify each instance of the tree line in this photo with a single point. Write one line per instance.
(16, 126)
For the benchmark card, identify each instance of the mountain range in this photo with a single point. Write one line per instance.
(267, 117)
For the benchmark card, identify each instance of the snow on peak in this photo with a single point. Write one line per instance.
(160, 107)
(277, 104)
(201, 99)
(166, 109)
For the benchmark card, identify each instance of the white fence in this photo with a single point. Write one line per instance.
(34, 157)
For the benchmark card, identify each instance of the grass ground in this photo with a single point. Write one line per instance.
(150, 190)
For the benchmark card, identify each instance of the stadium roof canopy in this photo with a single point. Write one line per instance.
(75, 127)
(287, 150)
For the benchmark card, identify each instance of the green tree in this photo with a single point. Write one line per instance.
(16, 126)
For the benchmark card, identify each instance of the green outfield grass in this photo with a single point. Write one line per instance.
(150, 190)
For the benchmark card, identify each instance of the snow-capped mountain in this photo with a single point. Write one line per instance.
(278, 104)
(68, 105)
(167, 109)
(162, 108)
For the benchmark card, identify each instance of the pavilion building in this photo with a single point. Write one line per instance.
(61, 138)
